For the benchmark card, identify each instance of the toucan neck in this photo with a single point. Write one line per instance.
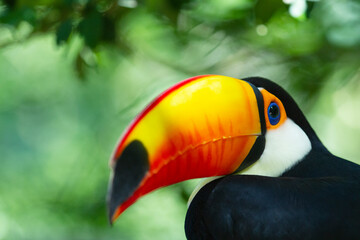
(309, 131)
(320, 163)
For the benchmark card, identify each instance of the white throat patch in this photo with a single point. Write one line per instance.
(284, 147)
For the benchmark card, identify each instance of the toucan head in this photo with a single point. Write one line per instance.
(207, 126)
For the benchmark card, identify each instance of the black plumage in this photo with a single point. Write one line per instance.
(317, 198)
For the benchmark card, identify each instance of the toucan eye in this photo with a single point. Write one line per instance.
(274, 113)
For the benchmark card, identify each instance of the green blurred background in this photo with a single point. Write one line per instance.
(73, 74)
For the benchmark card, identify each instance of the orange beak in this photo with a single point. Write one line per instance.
(202, 127)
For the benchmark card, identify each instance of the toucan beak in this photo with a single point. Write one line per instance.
(204, 126)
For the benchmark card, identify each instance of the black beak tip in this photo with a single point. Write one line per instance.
(110, 204)
(110, 221)
(129, 170)
(110, 214)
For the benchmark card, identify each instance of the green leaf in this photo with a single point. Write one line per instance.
(63, 32)
(10, 3)
(91, 28)
(109, 30)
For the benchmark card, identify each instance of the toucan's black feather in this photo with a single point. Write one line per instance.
(317, 198)
(257, 207)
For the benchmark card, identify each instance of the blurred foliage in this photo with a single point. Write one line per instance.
(313, 33)
(73, 73)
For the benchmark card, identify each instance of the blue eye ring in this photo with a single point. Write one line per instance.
(274, 113)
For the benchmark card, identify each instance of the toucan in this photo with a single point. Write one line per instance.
(267, 174)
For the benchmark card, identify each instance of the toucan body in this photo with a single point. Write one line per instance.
(272, 178)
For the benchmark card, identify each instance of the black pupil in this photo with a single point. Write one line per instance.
(274, 111)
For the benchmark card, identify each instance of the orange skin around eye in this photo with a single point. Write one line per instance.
(269, 98)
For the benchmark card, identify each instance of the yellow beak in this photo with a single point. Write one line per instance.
(204, 126)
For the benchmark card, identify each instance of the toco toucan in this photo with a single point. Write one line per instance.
(272, 176)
